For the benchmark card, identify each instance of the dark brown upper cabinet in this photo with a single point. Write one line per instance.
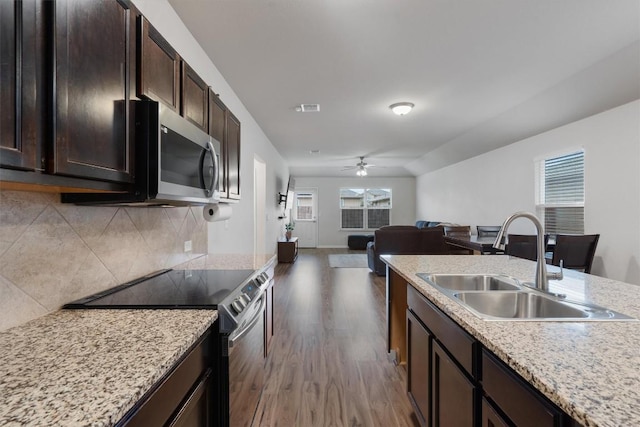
(225, 127)
(21, 84)
(217, 129)
(94, 61)
(232, 145)
(217, 111)
(166, 78)
(159, 74)
(194, 98)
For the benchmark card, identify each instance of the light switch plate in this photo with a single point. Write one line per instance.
(188, 246)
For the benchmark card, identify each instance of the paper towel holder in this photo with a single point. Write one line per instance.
(216, 212)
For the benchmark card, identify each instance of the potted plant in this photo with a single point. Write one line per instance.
(289, 228)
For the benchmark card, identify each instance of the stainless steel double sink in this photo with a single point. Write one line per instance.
(499, 297)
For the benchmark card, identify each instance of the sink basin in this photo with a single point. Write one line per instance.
(471, 282)
(525, 305)
(500, 297)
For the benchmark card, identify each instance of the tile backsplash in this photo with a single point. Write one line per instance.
(53, 253)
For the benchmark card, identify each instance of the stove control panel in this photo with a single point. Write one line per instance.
(247, 294)
(240, 305)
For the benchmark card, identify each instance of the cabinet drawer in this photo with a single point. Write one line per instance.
(517, 399)
(459, 343)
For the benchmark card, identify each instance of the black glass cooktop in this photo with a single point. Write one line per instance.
(171, 289)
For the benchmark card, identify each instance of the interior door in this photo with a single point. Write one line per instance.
(305, 212)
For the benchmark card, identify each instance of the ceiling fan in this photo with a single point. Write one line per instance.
(361, 167)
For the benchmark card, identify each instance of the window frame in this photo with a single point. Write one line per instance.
(365, 208)
(542, 206)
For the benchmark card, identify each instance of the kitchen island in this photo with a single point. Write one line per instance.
(587, 369)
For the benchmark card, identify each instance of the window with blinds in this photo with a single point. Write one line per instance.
(304, 206)
(560, 194)
(364, 208)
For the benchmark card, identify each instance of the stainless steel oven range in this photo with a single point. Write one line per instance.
(239, 347)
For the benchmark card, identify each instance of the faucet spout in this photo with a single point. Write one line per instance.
(541, 280)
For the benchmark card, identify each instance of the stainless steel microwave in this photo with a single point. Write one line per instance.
(177, 164)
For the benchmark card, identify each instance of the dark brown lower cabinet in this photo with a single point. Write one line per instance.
(418, 367)
(490, 417)
(441, 358)
(453, 395)
(195, 412)
(185, 396)
(268, 320)
(516, 398)
(453, 381)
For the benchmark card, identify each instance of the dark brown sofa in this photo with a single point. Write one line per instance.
(404, 240)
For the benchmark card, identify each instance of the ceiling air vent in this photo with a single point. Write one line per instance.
(308, 108)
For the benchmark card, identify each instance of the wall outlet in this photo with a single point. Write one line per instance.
(188, 246)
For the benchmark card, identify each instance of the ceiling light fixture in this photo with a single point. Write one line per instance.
(362, 171)
(401, 108)
(307, 108)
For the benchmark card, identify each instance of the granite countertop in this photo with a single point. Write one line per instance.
(589, 369)
(228, 262)
(89, 367)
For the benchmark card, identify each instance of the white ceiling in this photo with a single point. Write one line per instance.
(482, 73)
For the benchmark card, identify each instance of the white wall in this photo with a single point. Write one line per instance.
(484, 190)
(236, 234)
(329, 233)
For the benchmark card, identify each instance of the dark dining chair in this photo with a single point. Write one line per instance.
(575, 251)
(457, 230)
(488, 230)
(524, 246)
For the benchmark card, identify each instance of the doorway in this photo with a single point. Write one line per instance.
(259, 203)
(305, 213)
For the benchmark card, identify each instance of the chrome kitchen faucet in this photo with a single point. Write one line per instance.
(542, 277)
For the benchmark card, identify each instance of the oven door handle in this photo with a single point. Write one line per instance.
(254, 321)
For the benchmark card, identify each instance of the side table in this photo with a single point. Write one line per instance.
(287, 249)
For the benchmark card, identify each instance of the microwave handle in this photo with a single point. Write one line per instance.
(209, 190)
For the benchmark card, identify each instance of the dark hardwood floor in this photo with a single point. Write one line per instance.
(328, 364)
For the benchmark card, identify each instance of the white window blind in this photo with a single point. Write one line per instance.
(560, 195)
(364, 208)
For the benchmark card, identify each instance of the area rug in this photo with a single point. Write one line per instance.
(348, 261)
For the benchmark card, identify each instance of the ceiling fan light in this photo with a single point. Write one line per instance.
(361, 171)
(401, 108)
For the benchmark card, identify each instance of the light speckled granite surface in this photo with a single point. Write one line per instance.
(89, 367)
(229, 261)
(590, 369)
